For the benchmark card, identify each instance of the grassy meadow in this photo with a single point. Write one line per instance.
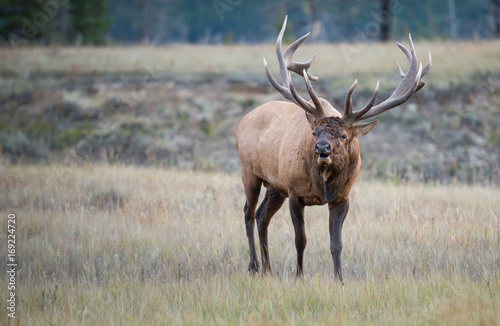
(142, 227)
(116, 245)
(454, 63)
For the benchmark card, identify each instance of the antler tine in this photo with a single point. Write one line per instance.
(401, 73)
(283, 90)
(359, 113)
(279, 54)
(410, 84)
(392, 101)
(428, 65)
(287, 64)
(300, 101)
(412, 57)
(312, 94)
(298, 67)
(351, 116)
(405, 50)
(412, 50)
(348, 101)
(424, 71)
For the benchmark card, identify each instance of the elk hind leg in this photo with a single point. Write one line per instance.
(269, 206)
(252, 185)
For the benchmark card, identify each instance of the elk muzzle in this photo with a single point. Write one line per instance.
(324, 152)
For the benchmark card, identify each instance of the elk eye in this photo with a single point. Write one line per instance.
(314, 133)
(344, 136)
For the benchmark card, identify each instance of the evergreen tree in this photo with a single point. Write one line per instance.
(21, 21)
(496, 18)
(89, 21)
(385, 20)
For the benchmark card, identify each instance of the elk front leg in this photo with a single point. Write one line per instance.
(297, 214)
(338, 212)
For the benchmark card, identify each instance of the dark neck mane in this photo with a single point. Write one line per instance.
(327, 181)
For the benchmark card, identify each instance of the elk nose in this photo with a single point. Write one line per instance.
(323, 148)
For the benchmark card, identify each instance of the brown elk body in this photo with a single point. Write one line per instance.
(307, 151)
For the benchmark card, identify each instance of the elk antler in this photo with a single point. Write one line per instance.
(287, 64)
(410, 84)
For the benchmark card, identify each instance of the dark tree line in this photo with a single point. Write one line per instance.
(228, 21)
(54, 21)
(217, 21)
(496, 15)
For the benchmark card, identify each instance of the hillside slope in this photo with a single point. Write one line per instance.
(67, 105)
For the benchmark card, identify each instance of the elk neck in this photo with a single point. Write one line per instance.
(327, 181)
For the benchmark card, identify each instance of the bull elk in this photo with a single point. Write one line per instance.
(307, 151)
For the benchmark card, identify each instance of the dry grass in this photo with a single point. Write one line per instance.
(453, 62)
(114, 245)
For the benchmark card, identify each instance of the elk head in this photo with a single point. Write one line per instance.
(333, 140)
(334, 136)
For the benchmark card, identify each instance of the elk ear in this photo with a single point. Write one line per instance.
(362, 129)
(311, 119)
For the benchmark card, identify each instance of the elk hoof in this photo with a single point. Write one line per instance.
(266, 270)
(253, 267)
